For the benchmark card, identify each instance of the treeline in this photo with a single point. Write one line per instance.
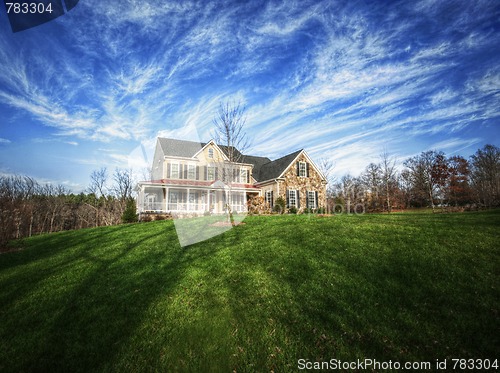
(430, 179)
(28, 207)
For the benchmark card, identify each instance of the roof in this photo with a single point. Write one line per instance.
(274, 169)
(264, 169)
(179, 148)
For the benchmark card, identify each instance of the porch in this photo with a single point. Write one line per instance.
(164, 199)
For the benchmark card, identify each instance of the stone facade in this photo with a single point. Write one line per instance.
(291, 180)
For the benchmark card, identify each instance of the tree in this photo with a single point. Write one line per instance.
(485, 164)
(371, 178)
(123, 184)
(458, 190)
(427, 173)
(388, 169)
(230, 134)
(326, 167)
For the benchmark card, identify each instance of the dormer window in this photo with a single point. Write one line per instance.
(210, 153)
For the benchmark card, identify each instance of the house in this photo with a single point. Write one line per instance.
(197, 178)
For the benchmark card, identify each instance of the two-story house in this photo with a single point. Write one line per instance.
(195, 178)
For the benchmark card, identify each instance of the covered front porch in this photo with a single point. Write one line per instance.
(192, 200)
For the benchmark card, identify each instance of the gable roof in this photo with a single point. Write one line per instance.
(274, 169)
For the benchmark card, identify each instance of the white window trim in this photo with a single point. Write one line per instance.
(243, 176)
(313, 203)
(208, 173)
(178, 170)
(192, 167)
(294, 193)
(305, 169)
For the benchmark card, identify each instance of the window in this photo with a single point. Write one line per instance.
(191, 172)
(292, 198)
(210, 153)
(174, 171)
(302, 169)
(210, 173)
(269, 198)
(243, 176)
(311, 200)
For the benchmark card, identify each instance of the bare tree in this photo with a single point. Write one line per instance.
(98, 179)
(388, 168)
(326, 167)
(485, 164)
(229, 133)
(123, 184)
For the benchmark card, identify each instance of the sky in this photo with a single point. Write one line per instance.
(345, 80)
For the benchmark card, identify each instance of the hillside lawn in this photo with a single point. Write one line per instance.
(400, 287)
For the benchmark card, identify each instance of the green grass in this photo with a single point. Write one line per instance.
(400, 287)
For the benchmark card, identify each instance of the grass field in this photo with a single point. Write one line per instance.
(400, 287)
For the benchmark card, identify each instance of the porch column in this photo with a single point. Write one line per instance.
(166, 199)
(208, 200)
(188, 203)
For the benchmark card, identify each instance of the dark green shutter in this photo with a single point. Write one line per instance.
(248, 176)
(298, 168)
(307, 199)
(307, 169)
(297, 196)
(272, 200)
(316, 200)
(287, 198)
(197, 172)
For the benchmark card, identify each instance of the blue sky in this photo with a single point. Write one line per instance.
(345, 80)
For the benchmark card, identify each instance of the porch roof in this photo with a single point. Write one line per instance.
(195, 183)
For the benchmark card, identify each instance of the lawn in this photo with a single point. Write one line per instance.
(400, 287)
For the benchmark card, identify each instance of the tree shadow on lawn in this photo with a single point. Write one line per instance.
(81, 324)
(345, 301)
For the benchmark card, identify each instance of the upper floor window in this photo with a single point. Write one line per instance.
(210, 173)
(302, 169)
(191, 171)
(210, 153)
(243, 176)
(174, 171)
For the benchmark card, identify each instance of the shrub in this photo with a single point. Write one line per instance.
(279, 205)
(129, 215)
(292, 210)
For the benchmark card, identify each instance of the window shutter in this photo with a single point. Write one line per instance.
(298, 168)
(307, 199)
(298, 199)
(168, 170)
(197, 172)
(206, 172)
(287, 198)
(316, 199)
(185, 171)
(248, 176)
(307, 169)
(272, 200)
